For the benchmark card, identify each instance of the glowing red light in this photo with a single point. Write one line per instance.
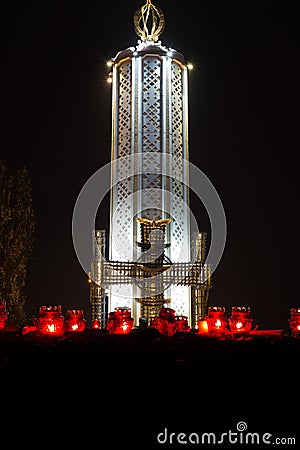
(295, 322)
(218, 324)
(96, 324)
(240, 320)
(119, 321)
(75, 320)
(124, 326)
(216, 320)
(3, 314)
(51, 328)
(50, 320)
(202, 327)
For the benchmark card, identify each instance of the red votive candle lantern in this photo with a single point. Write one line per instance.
(216, 320)
(240, 320)
(50, 320)
(119, 321)
(3, 314)
(166, 322)
(96, 324)
(295, 322)
(75, 320)
(182, 324)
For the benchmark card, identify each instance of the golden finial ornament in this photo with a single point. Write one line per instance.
(149, 22)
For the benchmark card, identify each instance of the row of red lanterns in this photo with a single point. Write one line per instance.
(52, 322)
(120, 322)
(167, 323)
(217, 323)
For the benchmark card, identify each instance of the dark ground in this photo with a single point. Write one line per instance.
(94, 390)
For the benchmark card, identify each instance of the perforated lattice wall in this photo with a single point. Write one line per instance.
(151, 128)
(122, 233)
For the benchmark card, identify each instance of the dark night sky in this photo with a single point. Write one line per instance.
(243, 124)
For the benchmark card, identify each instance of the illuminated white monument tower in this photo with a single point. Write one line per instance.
(149, 180)
(150, 117)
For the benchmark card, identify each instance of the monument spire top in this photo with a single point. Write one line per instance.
(149, 22)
